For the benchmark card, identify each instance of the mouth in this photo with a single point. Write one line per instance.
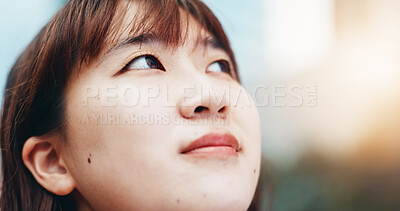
(213, 144)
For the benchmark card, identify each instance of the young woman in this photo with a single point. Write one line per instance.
(129, 105)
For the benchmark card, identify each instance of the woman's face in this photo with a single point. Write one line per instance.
(153, 127)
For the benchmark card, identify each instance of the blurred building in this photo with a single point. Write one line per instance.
(349, 50)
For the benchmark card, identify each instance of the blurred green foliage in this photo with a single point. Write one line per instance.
(368, 180)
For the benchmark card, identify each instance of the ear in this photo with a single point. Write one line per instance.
(40, 156)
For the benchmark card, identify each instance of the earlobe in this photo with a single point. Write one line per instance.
(40, 156)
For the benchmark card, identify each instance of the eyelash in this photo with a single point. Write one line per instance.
(125, 67)
(226, 63)
(223, 62)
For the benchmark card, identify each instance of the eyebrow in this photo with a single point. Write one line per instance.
(213, 42)
(136, 40)
(151, 38)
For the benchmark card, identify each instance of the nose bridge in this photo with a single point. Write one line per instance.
(201, 95)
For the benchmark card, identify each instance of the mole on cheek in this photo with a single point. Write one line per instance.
(89, 160)
(254, 170)
(177, 201)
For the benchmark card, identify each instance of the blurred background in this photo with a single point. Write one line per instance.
(325, 75)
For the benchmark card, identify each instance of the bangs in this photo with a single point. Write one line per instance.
(161, 19)
(168, 20)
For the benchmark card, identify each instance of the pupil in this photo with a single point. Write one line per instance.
(222, 66)
(150, 61)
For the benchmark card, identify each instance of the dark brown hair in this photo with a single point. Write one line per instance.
(34, 95)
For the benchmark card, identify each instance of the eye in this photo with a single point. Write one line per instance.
(144, 62)
(219, 66)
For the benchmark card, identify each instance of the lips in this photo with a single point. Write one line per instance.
(213, 144)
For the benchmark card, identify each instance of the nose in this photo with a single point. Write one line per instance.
(204, 103)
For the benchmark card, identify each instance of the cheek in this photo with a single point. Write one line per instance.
(111, 148)
(245, 118)
(108, 119)
(244, 113)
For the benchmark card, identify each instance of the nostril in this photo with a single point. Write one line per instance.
(222, 110)
(200, 109)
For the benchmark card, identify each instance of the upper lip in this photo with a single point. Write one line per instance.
(213, 140)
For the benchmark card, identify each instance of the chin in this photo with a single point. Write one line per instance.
(229, 201)
(222, 195)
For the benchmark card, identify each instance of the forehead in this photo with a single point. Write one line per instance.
(169, 24)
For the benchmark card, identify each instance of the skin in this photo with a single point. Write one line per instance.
(117, 164)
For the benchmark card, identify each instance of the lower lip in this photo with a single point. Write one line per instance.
(223, 151)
